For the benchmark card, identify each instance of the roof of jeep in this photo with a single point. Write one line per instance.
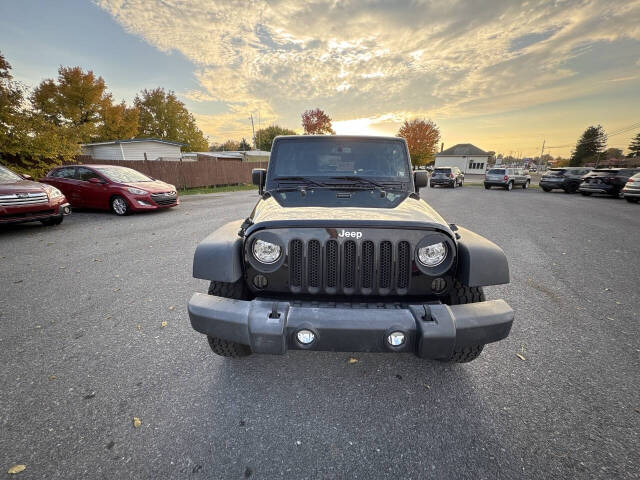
(341, 137)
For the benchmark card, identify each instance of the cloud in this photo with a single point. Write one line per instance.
(366, 59)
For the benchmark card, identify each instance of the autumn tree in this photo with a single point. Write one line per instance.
(265, 136)
(244, 145)
(117, 121)
(162, 115)
(634, 147)
(316, 122)
(590, 146)
(11, 97)
(422, 136)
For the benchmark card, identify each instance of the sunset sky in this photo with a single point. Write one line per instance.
(501, 75)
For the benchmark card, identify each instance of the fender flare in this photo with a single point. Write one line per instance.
(219, 256)
(480, 261)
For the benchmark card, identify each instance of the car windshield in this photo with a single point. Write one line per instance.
(556, 173)
(123, 174)
(496, 171)
(329, 157)
(604, 173)
(446, 171)
(7, 176)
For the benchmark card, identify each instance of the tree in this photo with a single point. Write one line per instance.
(634, 147)
(244, 145)
(11, 96)
(590, 147)
(73, 101)
(265, 136)
(117, 121)
(316, 122)
(422, 136)
(162, 115)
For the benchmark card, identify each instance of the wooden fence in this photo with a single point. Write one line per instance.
(204, 172)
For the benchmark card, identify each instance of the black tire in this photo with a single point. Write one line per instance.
(509, 186)
(459, 295)
(50, 222)
(120, 206)
(571, 189)
(631, 199)
(487, 187)
(546, 189)
(586, 194)
(219, 346)
(431, 185)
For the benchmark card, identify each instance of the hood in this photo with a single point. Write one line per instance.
(24, 186)
(348, 208)
(156, 186)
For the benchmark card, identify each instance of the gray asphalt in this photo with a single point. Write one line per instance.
(83, 352)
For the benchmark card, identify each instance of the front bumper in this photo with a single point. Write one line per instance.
(34, 213)
(552, 185)
(431, 330)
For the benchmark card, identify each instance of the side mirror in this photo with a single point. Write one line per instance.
(95, 180)
(258, 176)
(26, 177)
(420, 179)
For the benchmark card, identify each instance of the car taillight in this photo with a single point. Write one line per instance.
(506, 178)
(451, 175)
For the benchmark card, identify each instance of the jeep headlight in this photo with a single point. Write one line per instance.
(432, 255)
(266, 252)
(53, 192)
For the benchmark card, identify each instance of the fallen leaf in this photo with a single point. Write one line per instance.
(52, 377)
(117, 276)
(62, 268)
(17, 469)
(172, 308)
(116, 289)
(97, 260)
(163, 324)
(107, 317)
(520, 356)
(352, 360)
(136, 422)
(139, 327)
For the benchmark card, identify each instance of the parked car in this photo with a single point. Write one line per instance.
(609, 181)
(507, 178)
(565, 178)
(107, 187)
(447, 176)
(23, 200)
(631, 190)
(287, 276)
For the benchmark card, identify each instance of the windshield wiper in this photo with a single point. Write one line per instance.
(365, 181)
(306, 181)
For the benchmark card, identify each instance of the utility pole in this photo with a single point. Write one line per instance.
(253, 132)
(542, 152)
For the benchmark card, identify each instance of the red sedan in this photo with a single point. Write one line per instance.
(107, 187)
(23, 200)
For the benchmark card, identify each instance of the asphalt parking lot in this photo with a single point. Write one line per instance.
(83, 352)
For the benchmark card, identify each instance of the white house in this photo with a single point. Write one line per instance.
(133, 149)
(467, 157)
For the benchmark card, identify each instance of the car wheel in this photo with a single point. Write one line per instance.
(631, 199)
(509, 186)
(586, 194)
(571, 188)
(526, 185)
(431, 185)
(50, 222)
(119, 206)
(461, 294)
(238, 291)
(546, 189)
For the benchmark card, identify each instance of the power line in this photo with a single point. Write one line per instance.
(619, 131)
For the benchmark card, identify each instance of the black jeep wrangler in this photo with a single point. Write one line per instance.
(341, 254)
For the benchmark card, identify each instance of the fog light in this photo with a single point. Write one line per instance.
(305, 337)
(143, 203)
(395, 339)
(260, 281)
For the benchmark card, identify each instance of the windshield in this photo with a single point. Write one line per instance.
(123, 174)
(496, 171)
(7, 176)
(446, 171)
(329, 157)
(555, 173)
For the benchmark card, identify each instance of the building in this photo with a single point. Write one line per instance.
(465, 156)
(134, 149)
(239, 156)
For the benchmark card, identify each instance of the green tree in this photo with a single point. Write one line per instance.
(316, 122)
(265, 136)
(117, 121)
(634, 147)
(590, 147)
(244, 145)
(162, 115)
(422, 137)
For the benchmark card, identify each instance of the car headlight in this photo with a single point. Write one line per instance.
(53, 192)
(266, 252)
(137, 191)
(432, 255)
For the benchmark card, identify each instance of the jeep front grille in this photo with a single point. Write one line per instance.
(350, 267)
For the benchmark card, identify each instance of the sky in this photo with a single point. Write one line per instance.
(500, 74)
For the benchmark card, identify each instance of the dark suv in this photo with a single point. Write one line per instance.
(340, 253)
(565, 178)
(609, 181)
(447, 176)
